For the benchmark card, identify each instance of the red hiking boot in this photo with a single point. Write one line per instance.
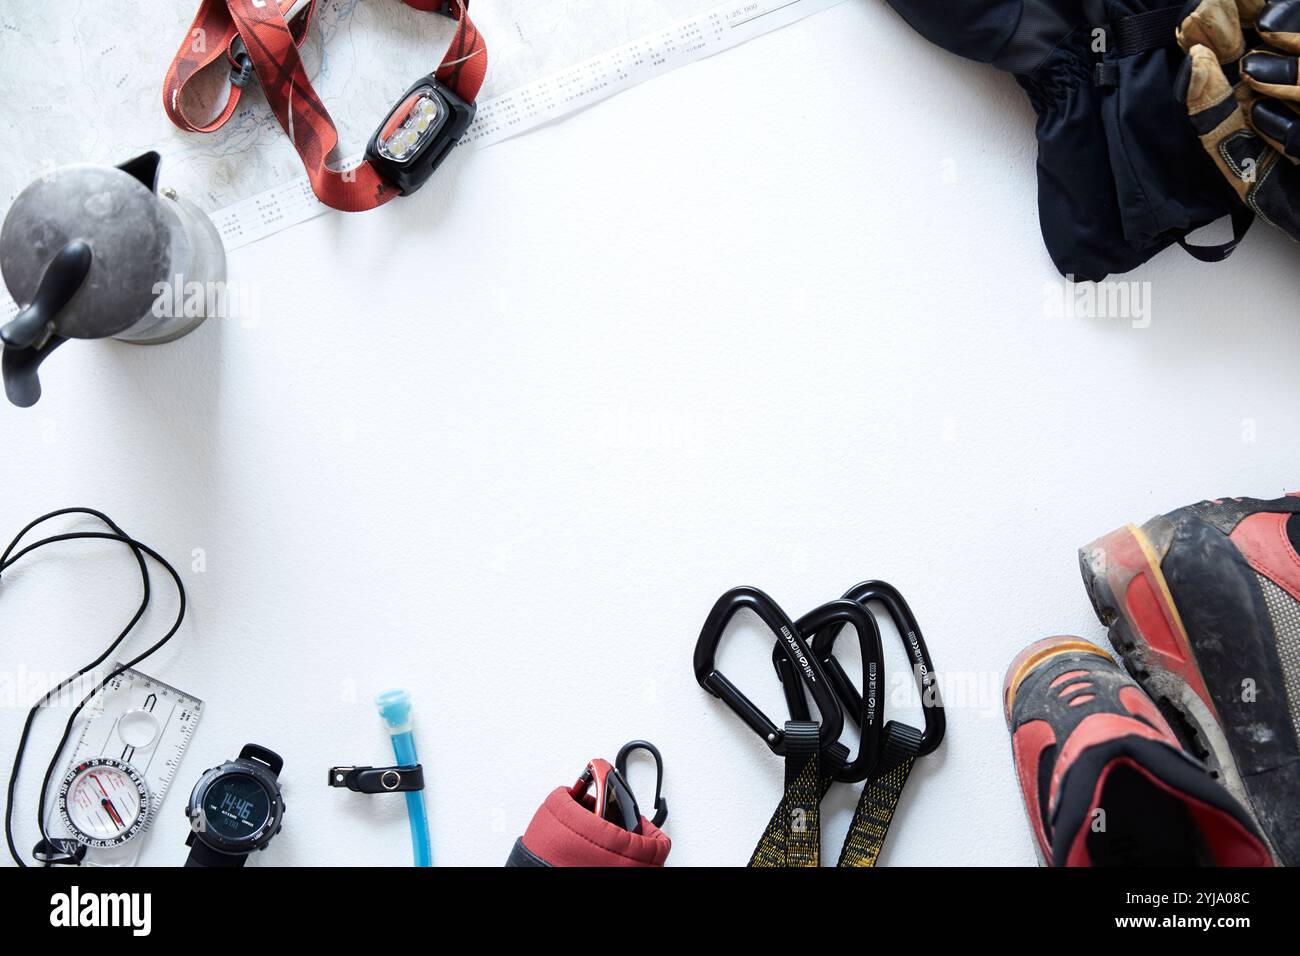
(1203, 605)
(1103, 777)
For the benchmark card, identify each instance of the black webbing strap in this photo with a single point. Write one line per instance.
(1242, 219)
(1143, 32)
(793, 835)
(1139, 33)
(880, 796)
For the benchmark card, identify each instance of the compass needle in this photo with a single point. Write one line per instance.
(89, 809)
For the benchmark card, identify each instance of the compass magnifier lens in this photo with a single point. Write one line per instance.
(138, 729)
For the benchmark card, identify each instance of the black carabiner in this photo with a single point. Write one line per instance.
(620, 764)
(862, 708)
(809, 670)
(922, 667)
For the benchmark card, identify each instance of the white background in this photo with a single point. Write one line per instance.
(779, 318)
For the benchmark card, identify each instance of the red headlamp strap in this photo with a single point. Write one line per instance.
(272, 49)
(464, 66)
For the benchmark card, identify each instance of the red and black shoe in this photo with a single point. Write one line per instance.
(1104, 779)
(1203, 606)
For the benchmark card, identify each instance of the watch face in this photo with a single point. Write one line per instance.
(236, 806)
(104, 802)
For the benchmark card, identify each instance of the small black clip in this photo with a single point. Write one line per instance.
(620, 764)
(241, 69)
(378, 779)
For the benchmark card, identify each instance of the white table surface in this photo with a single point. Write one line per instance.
(776, 318)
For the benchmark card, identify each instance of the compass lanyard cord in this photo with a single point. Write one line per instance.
(253, 34)
(793, 835)
(10, 557)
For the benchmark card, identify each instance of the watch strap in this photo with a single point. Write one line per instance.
(202, 855)
(264, 756)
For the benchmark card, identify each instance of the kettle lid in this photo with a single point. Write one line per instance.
(115, 211)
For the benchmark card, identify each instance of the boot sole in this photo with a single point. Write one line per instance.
(1127, 587)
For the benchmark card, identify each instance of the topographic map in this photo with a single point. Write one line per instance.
(82, 81)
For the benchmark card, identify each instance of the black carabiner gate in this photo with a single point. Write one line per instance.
(922, 667)
(809, 670)
(862, 708)
(620, 764)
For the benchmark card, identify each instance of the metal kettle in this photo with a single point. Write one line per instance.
(92, 252)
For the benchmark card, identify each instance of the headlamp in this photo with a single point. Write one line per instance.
(414, 139)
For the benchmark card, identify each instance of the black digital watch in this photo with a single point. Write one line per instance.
(235, 809)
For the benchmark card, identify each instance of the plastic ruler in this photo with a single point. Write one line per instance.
(128, 695)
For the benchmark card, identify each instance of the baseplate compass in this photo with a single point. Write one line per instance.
(131, 743)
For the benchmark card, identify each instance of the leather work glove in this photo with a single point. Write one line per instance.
(1249, 126)
(1120, 174)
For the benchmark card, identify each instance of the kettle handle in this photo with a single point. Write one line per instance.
(29, 337)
